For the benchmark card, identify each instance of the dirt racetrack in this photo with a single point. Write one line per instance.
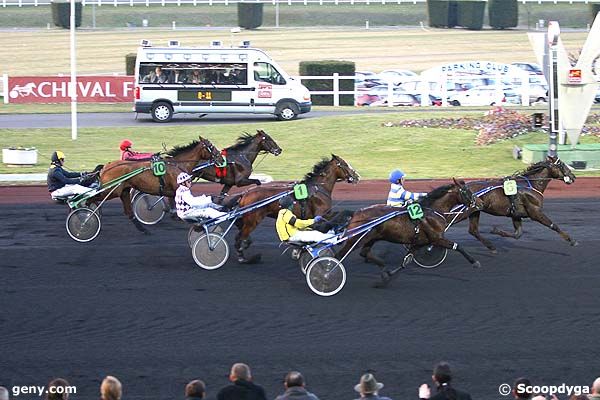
(137, 307)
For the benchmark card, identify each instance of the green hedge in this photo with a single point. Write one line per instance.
(503, 13)
(250, 15)
(595, 9)
(442, 13)
(328, 68)
(471, 13)
(61, 14)
(130, 63)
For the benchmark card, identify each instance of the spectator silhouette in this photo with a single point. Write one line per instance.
(521, 394)
(195, 390)
(111, 389)
(595, 390)
(369, 388)
(3, 393)
(56, 389)
(442, 377)
(242, 387)
(295, 388)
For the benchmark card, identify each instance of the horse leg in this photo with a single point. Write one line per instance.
(223, 194)
(517, 224)
(128, 211)
(172, 207)
(243, 241)
(247, 181)
(437, 239)
(474, 231)
(368, 255)
(536, 214)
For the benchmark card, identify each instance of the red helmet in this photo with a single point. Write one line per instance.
(125, 144)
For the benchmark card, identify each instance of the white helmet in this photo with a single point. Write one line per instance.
(182, 177)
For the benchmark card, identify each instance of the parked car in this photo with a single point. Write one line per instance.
(597, 98)
(399, 99)
(433, 100)
(478, 96)
(396, 76)
(537, 94)
(375, 94)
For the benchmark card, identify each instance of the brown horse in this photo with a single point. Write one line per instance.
(240, 158)
(181, 159)
(528, 202)
(320, 182)
(414, 233)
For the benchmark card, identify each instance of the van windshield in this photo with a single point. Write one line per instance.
(194, 73)
(265, 72)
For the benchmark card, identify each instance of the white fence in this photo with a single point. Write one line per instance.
(147, 3)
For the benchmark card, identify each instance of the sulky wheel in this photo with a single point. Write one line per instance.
(149, 209)
(325, 276)
(306, 258)
(210, 251)
(196, 231)
(429, 256)
(83, 224)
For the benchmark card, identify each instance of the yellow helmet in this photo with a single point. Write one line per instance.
(58, 155)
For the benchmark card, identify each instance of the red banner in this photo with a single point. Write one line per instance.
(55, 89)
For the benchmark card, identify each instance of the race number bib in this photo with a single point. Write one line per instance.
(300, 191)
(415, 211)
(510, 187)
(159, 168)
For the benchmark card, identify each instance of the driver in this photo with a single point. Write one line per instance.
(293, 229)
(62, 183)
(398, 196)
(128, 154)
(190, 206)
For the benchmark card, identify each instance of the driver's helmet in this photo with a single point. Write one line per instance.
(396, 175)
(183, 177)
(286, 202)
(125, 144)
(57, 156)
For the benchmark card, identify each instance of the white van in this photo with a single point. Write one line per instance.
(218, 79)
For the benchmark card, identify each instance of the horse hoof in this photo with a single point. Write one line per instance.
(252, 260)
(476, 264)
(495, 230)
(574, 243)
(493, 251)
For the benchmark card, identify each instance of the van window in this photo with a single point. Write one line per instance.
(194, 73)
(265, 72)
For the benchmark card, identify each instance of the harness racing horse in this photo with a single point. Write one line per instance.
(240, 158)
(319, 182)
(528, 201)
(415, 233)
(182, 159)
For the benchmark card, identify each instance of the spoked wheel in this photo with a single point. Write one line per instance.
(83, 225)
(326, 276)
(306, 258)
(210, 251)
(194, 234)
(149, 209)
(429, 256)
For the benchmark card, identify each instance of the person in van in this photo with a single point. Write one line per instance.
(398, 196)
(178, 76)
(156, 76)
(195, 77)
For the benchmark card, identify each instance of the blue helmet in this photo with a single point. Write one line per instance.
(396, 175)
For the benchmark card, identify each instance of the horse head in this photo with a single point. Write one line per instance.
(344, 170)
(559, 170)
(266, 143)
(467, 197)
(210, 151)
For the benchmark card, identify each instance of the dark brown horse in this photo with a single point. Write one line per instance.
(528, 202)
(320, 182)
(413, 233)
(180, 159)
(240, 158)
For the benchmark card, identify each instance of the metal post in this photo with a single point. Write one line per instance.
(336, 89)
(5, 92)
(553, 128)
(93, 16)
(276, 13)
(73, 83)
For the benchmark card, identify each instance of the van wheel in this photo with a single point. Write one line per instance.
(455, 103)
(287, 111)
(162, 112)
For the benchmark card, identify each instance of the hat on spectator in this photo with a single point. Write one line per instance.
(368, 384)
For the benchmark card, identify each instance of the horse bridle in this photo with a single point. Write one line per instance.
(466, 194)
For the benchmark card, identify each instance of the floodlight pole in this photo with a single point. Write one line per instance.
(553, 128)
(73, 83)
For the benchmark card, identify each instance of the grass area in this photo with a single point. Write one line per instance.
(372, 149)
(104, 51)
(392, 14)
